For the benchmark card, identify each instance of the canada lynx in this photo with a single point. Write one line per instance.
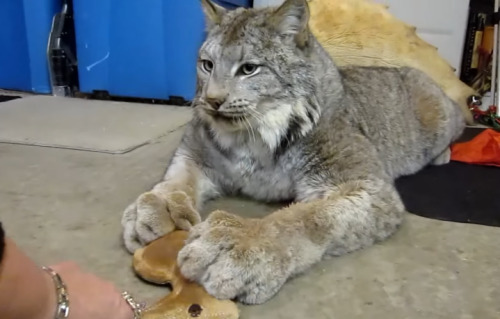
(275, 119)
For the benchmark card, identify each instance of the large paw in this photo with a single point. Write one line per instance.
(235, 258)
(152, 216)
(443, 158)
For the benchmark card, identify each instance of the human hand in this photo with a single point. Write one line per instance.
(91, 296)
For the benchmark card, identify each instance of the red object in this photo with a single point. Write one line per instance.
(484, 149)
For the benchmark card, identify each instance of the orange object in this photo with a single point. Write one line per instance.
(484, 149)
(157, 263)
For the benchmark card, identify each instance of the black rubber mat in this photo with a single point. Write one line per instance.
(457, 192)
(5, 98)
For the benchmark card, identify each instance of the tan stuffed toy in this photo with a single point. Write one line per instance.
(365, 33)
(157, 263)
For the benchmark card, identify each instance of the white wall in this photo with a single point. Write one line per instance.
(265, 3)
(442, 23)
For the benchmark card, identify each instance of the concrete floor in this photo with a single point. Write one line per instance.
(64, 204)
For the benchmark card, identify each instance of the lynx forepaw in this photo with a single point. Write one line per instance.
(152, 216)
(443, 158)
(234, 258)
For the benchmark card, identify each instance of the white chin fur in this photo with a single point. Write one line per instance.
(270, 127)
(274, 125)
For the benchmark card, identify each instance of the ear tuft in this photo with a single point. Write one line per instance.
(213, 12)
(292, 17)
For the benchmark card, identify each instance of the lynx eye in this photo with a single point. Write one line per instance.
(249, 69)
(207, 65)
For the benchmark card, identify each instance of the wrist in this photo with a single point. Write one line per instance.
(26, 291)
(50, 303)
(60, 301)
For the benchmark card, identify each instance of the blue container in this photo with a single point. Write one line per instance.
(231, 4)
(131, 48)
(24, 32)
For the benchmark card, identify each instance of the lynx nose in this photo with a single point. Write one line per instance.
(215, 94)
(215, 102)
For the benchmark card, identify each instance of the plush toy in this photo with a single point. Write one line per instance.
(365, 33)
(157, 263)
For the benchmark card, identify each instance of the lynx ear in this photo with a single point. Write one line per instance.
(292, 17)
(213, 12)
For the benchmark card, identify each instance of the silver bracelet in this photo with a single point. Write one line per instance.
(62, 310)
(136, 307)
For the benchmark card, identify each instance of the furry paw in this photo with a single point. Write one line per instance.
(152, 216)
(235, 258)
(443, 158)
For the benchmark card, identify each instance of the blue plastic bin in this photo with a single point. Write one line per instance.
(138, 49)
(133, 49)
(24, 32)
(231, 4)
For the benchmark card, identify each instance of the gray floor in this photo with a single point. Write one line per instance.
(61, 204)
(90, 125)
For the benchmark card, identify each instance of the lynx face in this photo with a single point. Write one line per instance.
(253, 73)
(237, 83)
